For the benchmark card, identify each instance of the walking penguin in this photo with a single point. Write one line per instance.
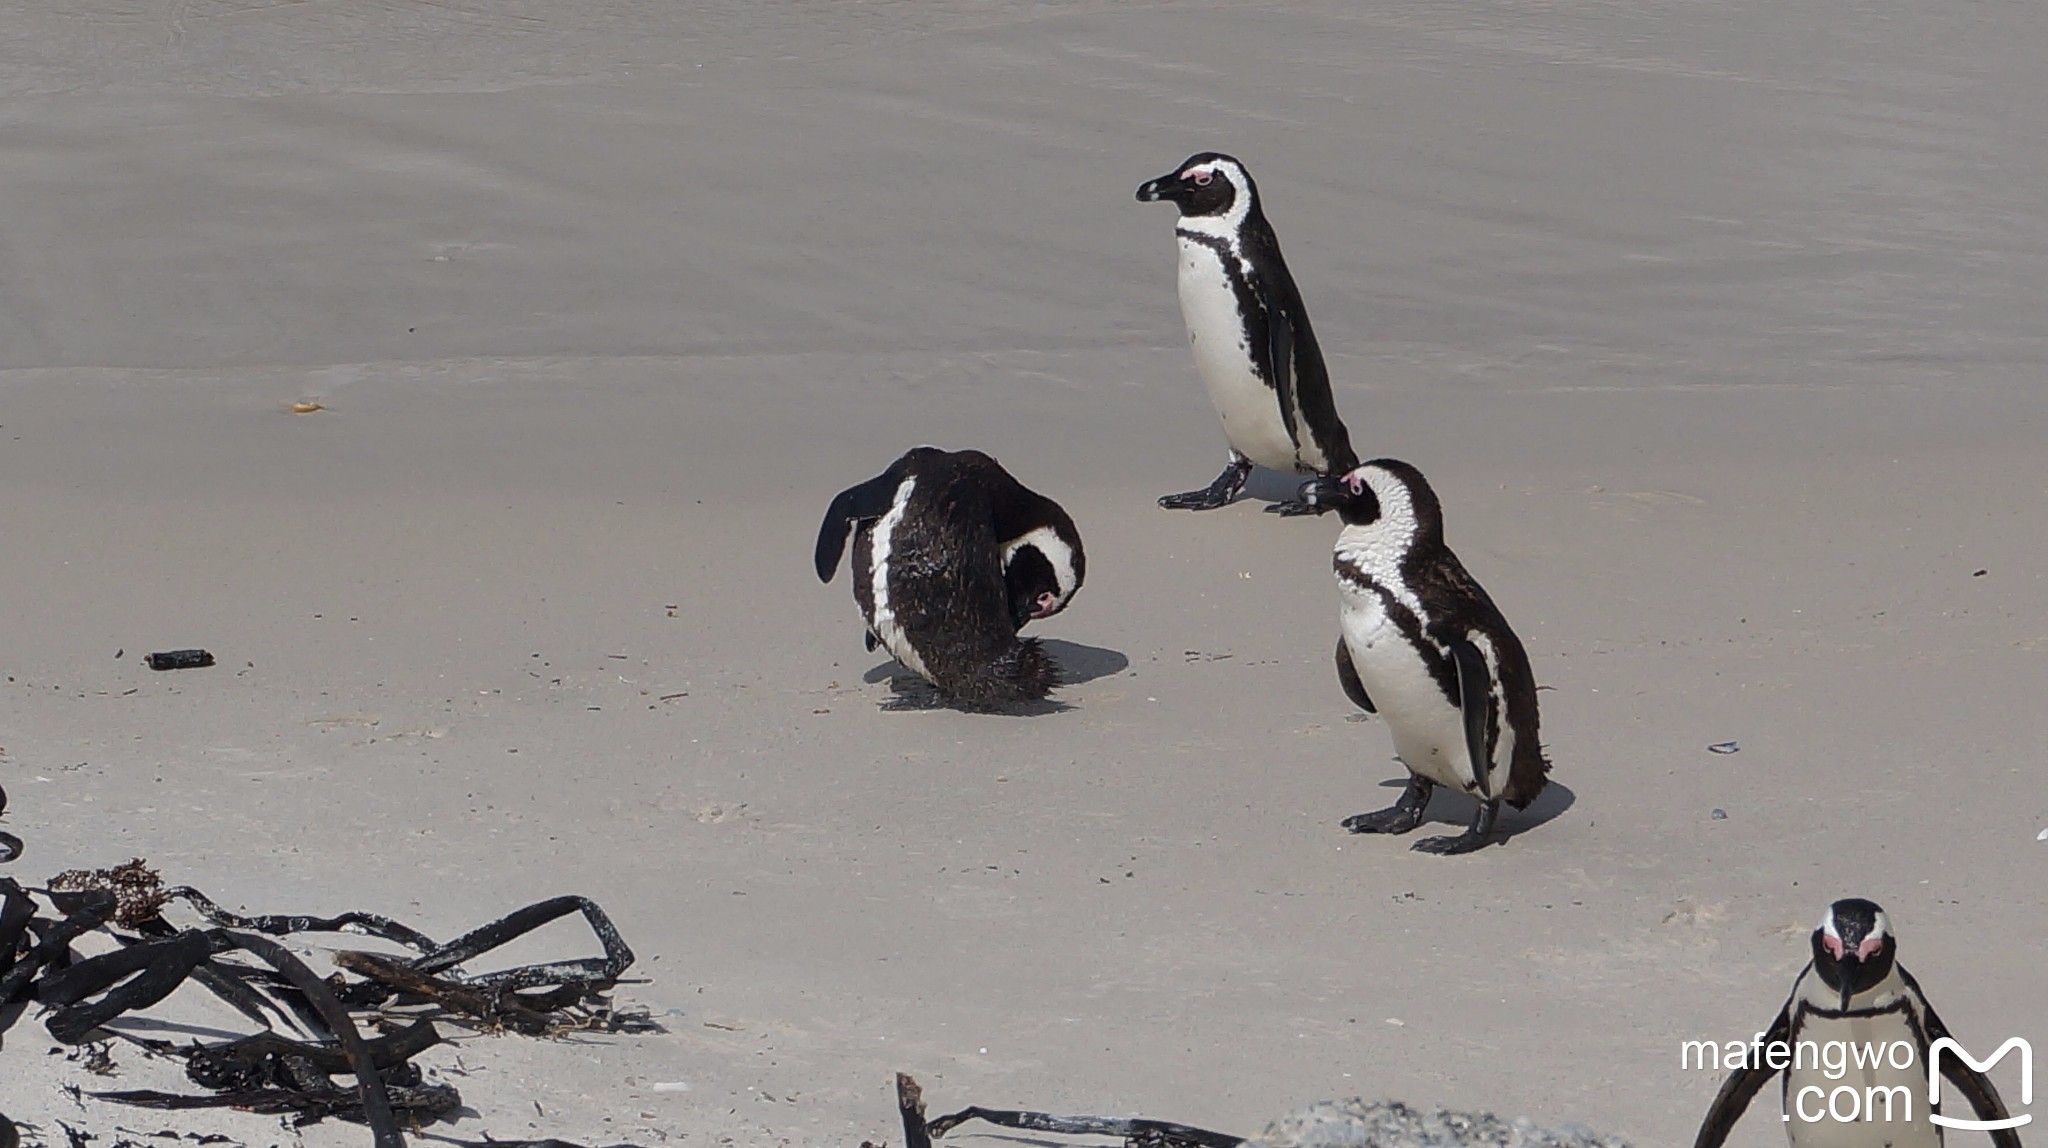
(1425, 648)
(951, 558)
(1253, 344)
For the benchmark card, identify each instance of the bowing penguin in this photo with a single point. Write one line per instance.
(951, 558)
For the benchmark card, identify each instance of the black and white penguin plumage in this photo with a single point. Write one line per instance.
(1253, 344)
(1424, 647)
(951, 558)
(1853, 991)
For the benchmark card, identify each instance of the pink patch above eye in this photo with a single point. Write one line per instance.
(1833, 945)
(1202, 178)
(1356, 484)
(1869, 947)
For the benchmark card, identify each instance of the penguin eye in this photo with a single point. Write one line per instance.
(1202, 178)
(1356, 484)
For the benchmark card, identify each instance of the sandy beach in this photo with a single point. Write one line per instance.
(1717, 329)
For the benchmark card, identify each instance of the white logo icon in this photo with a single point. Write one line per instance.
(2026, 1082)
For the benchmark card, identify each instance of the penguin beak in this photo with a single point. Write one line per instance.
(1037, 609)
(1169, 186)
(1323, 495)
(1849, 968)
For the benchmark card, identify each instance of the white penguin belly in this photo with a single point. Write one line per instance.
(1866, 1082)
(1429, 732)
(1249, 408)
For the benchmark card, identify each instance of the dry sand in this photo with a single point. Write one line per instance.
(1718, 327)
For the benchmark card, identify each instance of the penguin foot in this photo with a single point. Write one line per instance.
(1290, 509)
(1217, 494)
(1402, 816)
(1392, 821)
(1207, 499)
(1478, 836)
(1448, 846)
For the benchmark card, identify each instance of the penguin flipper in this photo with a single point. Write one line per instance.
(1974, 1085)
(1347, 676)
(1741, 1087)
(1280, 353)
(871, 499)
(1475, 702)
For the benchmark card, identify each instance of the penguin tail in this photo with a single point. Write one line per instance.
(1022, 672)
(1527, 778)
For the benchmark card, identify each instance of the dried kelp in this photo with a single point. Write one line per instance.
(234, 957)
(1136, 1133)
(10, 848)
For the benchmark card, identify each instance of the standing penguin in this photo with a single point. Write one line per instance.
(951, 558)
(1853, 995)
(1424, 647)
(1251, 335)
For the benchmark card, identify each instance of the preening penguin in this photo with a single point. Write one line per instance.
(1253, 344)
(1854, 997)
(951, 558)
(1425, 648)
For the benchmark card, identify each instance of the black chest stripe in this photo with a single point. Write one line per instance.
(1920, 1040)
(1441, 670)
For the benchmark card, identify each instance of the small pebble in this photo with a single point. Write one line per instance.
(1723, 747)
(1720, 815)
(2041, 836)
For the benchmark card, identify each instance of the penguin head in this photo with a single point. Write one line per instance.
(1853, 948)
(1042, 569)
(1206, 183)
(1385, 492)
(1351, 495)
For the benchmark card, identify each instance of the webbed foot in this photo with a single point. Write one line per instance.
(1292, 508)
(1217, 494)
(1404, 815)
(1479, 836)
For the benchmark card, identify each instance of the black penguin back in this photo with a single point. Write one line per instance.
(1528, 769)
(1311, 376)
(1438, 578)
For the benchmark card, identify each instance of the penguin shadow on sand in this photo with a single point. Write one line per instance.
(1274, 488)
(1454, 809)
(1077, 664)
